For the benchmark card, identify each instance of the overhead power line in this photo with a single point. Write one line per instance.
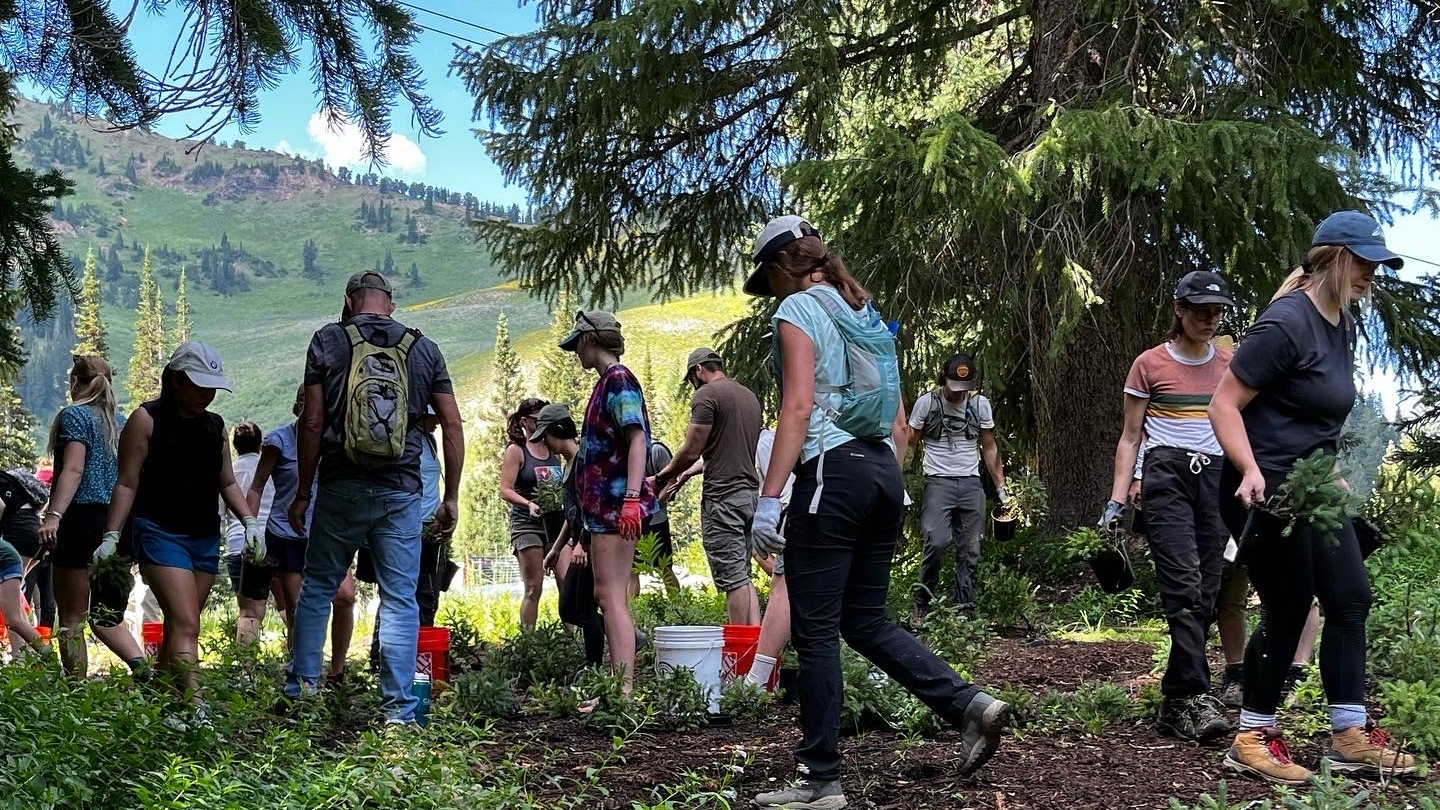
(444, 16)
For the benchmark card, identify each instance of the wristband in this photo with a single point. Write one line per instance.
(54, 514)
(630, 493)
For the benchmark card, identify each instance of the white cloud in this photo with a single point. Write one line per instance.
(343, 145)
(285, 148)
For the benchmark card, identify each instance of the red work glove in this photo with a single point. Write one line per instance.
(630, 519)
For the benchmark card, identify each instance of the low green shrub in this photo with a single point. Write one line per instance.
(676, 699)
(480, 695)
(743, 701)
(541, 655)
(1098, 705)
(960, 641)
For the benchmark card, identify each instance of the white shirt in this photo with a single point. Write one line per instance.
(244, 467)
(956, 452)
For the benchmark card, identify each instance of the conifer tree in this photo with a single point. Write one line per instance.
(17, 430)
(149, 354)
(1026, 180)
(482, 528)
(183, 325)
(89, 321)
(561, 377)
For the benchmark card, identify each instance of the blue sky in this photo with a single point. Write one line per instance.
(288, 112)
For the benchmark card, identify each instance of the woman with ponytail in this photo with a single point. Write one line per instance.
(846, 512)
(523, 466)
(1289, 389)
(83, 440)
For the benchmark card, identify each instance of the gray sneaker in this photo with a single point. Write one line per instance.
(1232, 691)
(805, 795)
(980, 727)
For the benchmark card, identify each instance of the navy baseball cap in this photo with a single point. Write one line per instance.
(1360, 233)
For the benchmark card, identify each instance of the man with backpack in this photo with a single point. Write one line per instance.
(724, 428)
(368, 380)
(956, 426)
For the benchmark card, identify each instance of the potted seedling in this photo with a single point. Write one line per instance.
(1312, 494)
(550, 497)
(1104, 550)
(1028, 506)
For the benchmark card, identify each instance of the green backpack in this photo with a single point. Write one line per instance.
(377, 400)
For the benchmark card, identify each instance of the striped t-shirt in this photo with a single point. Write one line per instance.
(1178, 392)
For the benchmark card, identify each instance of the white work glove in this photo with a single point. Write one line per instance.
(1004, 495)
(108, 541)
(1114, 511)
(765, 530)
(254, 540)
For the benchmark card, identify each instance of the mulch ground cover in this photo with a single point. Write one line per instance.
(1129, 766)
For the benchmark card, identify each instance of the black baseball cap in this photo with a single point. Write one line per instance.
(961, 373)
(1204, 287)
(1359, 232)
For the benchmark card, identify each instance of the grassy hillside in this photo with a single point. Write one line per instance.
(252, 212)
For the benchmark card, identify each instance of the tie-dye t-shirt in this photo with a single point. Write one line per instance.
(616, 404)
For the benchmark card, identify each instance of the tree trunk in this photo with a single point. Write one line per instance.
(1078, 400)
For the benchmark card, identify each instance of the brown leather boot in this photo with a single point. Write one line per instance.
(1262, 752)
(1366, 750)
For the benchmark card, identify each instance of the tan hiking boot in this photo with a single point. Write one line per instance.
(1262, 752)
(1366, 750)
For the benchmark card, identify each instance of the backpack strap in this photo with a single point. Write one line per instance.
(832, 307)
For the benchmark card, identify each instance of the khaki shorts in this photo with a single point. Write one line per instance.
(725, 535)
(527, 532)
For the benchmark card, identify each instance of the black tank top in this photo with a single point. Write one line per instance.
(180, 479)
(531, 471)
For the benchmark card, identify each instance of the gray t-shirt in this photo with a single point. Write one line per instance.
(952, 435)
(328, 363)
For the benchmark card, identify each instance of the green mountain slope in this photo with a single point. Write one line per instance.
(238, 221)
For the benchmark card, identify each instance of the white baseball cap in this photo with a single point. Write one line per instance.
(200, 363)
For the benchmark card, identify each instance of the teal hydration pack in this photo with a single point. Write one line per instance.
(870, 396)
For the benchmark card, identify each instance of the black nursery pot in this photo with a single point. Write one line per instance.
(1113, 571)
(554, 522)
(1002, 525)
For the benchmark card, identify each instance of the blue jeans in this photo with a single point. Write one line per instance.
(350, 514)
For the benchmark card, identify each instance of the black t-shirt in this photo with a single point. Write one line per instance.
(1304, 370)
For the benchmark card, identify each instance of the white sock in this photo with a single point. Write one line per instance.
(1252, 720)
(760, 671)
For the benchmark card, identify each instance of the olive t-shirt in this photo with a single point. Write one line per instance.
(733, 413)
(1303, 368)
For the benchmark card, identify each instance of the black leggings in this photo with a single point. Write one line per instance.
(578, 608)
(1289, 573)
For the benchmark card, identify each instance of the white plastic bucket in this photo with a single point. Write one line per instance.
(696, 649)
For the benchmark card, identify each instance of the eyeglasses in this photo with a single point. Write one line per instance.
(1211, 312)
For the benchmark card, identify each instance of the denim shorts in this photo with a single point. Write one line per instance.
(11, 566)
(157, 546)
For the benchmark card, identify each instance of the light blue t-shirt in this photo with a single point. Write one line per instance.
(286, 478)
(78, 423)
(811, 317)
(429, 480)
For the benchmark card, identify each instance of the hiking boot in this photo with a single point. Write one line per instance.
(1196, 718)
(980, 729)
(1232, 688)
(1262, 752)
(805, 795)
(1366, 751)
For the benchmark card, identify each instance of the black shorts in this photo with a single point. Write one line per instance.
(79, 534)
(287, 556)
(664, 545)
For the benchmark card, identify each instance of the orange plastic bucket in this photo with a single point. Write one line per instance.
(152, 635)
(738, 654)
(432, 653)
